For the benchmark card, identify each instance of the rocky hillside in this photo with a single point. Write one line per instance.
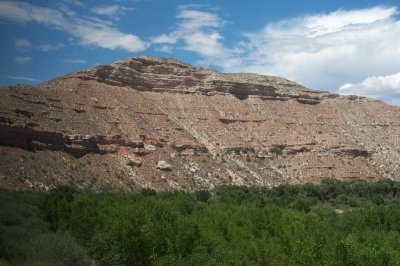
(160, 123)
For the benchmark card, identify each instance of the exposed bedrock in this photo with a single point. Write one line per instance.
(166, 75)
(160, 123)
(76, 145)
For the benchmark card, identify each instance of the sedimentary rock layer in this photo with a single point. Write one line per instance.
(109, 127)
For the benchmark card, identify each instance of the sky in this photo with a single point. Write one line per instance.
(346, 47)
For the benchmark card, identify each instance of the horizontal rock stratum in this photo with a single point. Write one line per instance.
(107, 128)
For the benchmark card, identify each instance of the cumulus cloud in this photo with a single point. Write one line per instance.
(22, 59)
(386, 88)
(326, 51)
(91, 32)
(197, 31)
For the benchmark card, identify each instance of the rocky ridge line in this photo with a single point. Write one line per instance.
(168, 75)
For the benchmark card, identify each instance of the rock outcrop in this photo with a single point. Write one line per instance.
(108, 127)
(164, 166)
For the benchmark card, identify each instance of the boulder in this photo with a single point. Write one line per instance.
(164, 166)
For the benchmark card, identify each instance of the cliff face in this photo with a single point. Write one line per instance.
(152, 122)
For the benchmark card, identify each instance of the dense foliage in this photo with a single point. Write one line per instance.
(333, 223)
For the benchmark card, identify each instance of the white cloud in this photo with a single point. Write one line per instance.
(85, 31)
(386, 88)
(326, 51)
(318, 25)
(22, 59)
(75, 61)
(20, 78)
(168, 49)
(193, 20)
(112, 10)
(197, 31)
(166, 38)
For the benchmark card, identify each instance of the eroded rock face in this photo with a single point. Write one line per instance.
(107, 127)
(163, 75)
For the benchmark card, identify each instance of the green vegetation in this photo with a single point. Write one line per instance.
(201, 149)
(333, 223)
(276, 151)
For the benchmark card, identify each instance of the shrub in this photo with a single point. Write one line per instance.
(276, 151)
(201, 149)
(202, 195)
(148, 192)
(56, 249)
(56, 206)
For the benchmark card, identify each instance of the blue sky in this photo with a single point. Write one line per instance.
(347, 47)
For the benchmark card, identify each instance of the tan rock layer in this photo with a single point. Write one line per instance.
(110, 126)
